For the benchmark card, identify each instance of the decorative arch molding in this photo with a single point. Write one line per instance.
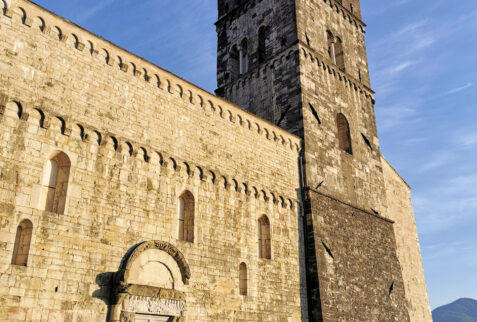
(150, 280)
(163, 246)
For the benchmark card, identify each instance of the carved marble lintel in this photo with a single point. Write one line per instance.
(147, 305)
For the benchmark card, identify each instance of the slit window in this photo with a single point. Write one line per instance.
(243, 280)
(264, 242)
(366, 140)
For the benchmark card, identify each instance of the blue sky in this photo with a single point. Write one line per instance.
(423, 60)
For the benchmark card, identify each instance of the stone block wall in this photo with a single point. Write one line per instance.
(358, 271)
(137, 138)
(408, 250)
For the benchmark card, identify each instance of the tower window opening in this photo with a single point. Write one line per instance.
(331, 46)
(339, 54)
(264, 244)
(243, 56)
(344, 135)
(262, 46)
(243, 281)
(21, 248)
(186, 209)
(55, 184)
(234, 62)
(335, 50)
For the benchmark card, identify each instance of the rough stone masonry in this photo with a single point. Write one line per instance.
(129, 194)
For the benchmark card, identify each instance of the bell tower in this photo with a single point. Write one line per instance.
(257, 60)
(302, 65)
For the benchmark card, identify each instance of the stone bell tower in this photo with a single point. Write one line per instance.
(302, 65)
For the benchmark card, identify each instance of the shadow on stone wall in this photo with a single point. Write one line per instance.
(104, 281)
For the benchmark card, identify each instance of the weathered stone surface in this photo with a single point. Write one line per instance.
(136, 137)
(314, 70)
(135, 146)
(408, 250)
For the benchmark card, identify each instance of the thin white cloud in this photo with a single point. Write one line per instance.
(410, 28)
(457, 89)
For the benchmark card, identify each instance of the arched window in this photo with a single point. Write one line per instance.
(243, 56)
(234, 63)
(243, 279)
(339, 54)
(186, 209)
(55, 184)
(262, 49)
(344, 134)
(22, 243)
(264, 246)
(331, 46)
(335, 50)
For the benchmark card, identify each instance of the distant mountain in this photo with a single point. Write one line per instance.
(462, 310)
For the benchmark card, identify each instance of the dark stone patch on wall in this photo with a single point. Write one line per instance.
(355, 283)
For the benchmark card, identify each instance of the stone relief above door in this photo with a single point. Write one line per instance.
(150, 284)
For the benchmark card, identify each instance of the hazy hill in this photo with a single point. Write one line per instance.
(462, 310)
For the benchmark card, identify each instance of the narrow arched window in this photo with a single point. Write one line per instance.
(55, 184)
(234, 62)
(344, 134)
(262, 49)
(186, 209)
(331, 46)
(243, 287)
(339, 54)
(264, 245)
(22, 243)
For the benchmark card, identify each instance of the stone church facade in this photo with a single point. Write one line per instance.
(129, 194)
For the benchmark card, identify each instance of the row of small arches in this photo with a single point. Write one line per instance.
(320, 63)
(37, 116)
(159, 82)
(340, 9)
(262, 71)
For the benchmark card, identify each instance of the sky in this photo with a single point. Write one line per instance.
(423, 62)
